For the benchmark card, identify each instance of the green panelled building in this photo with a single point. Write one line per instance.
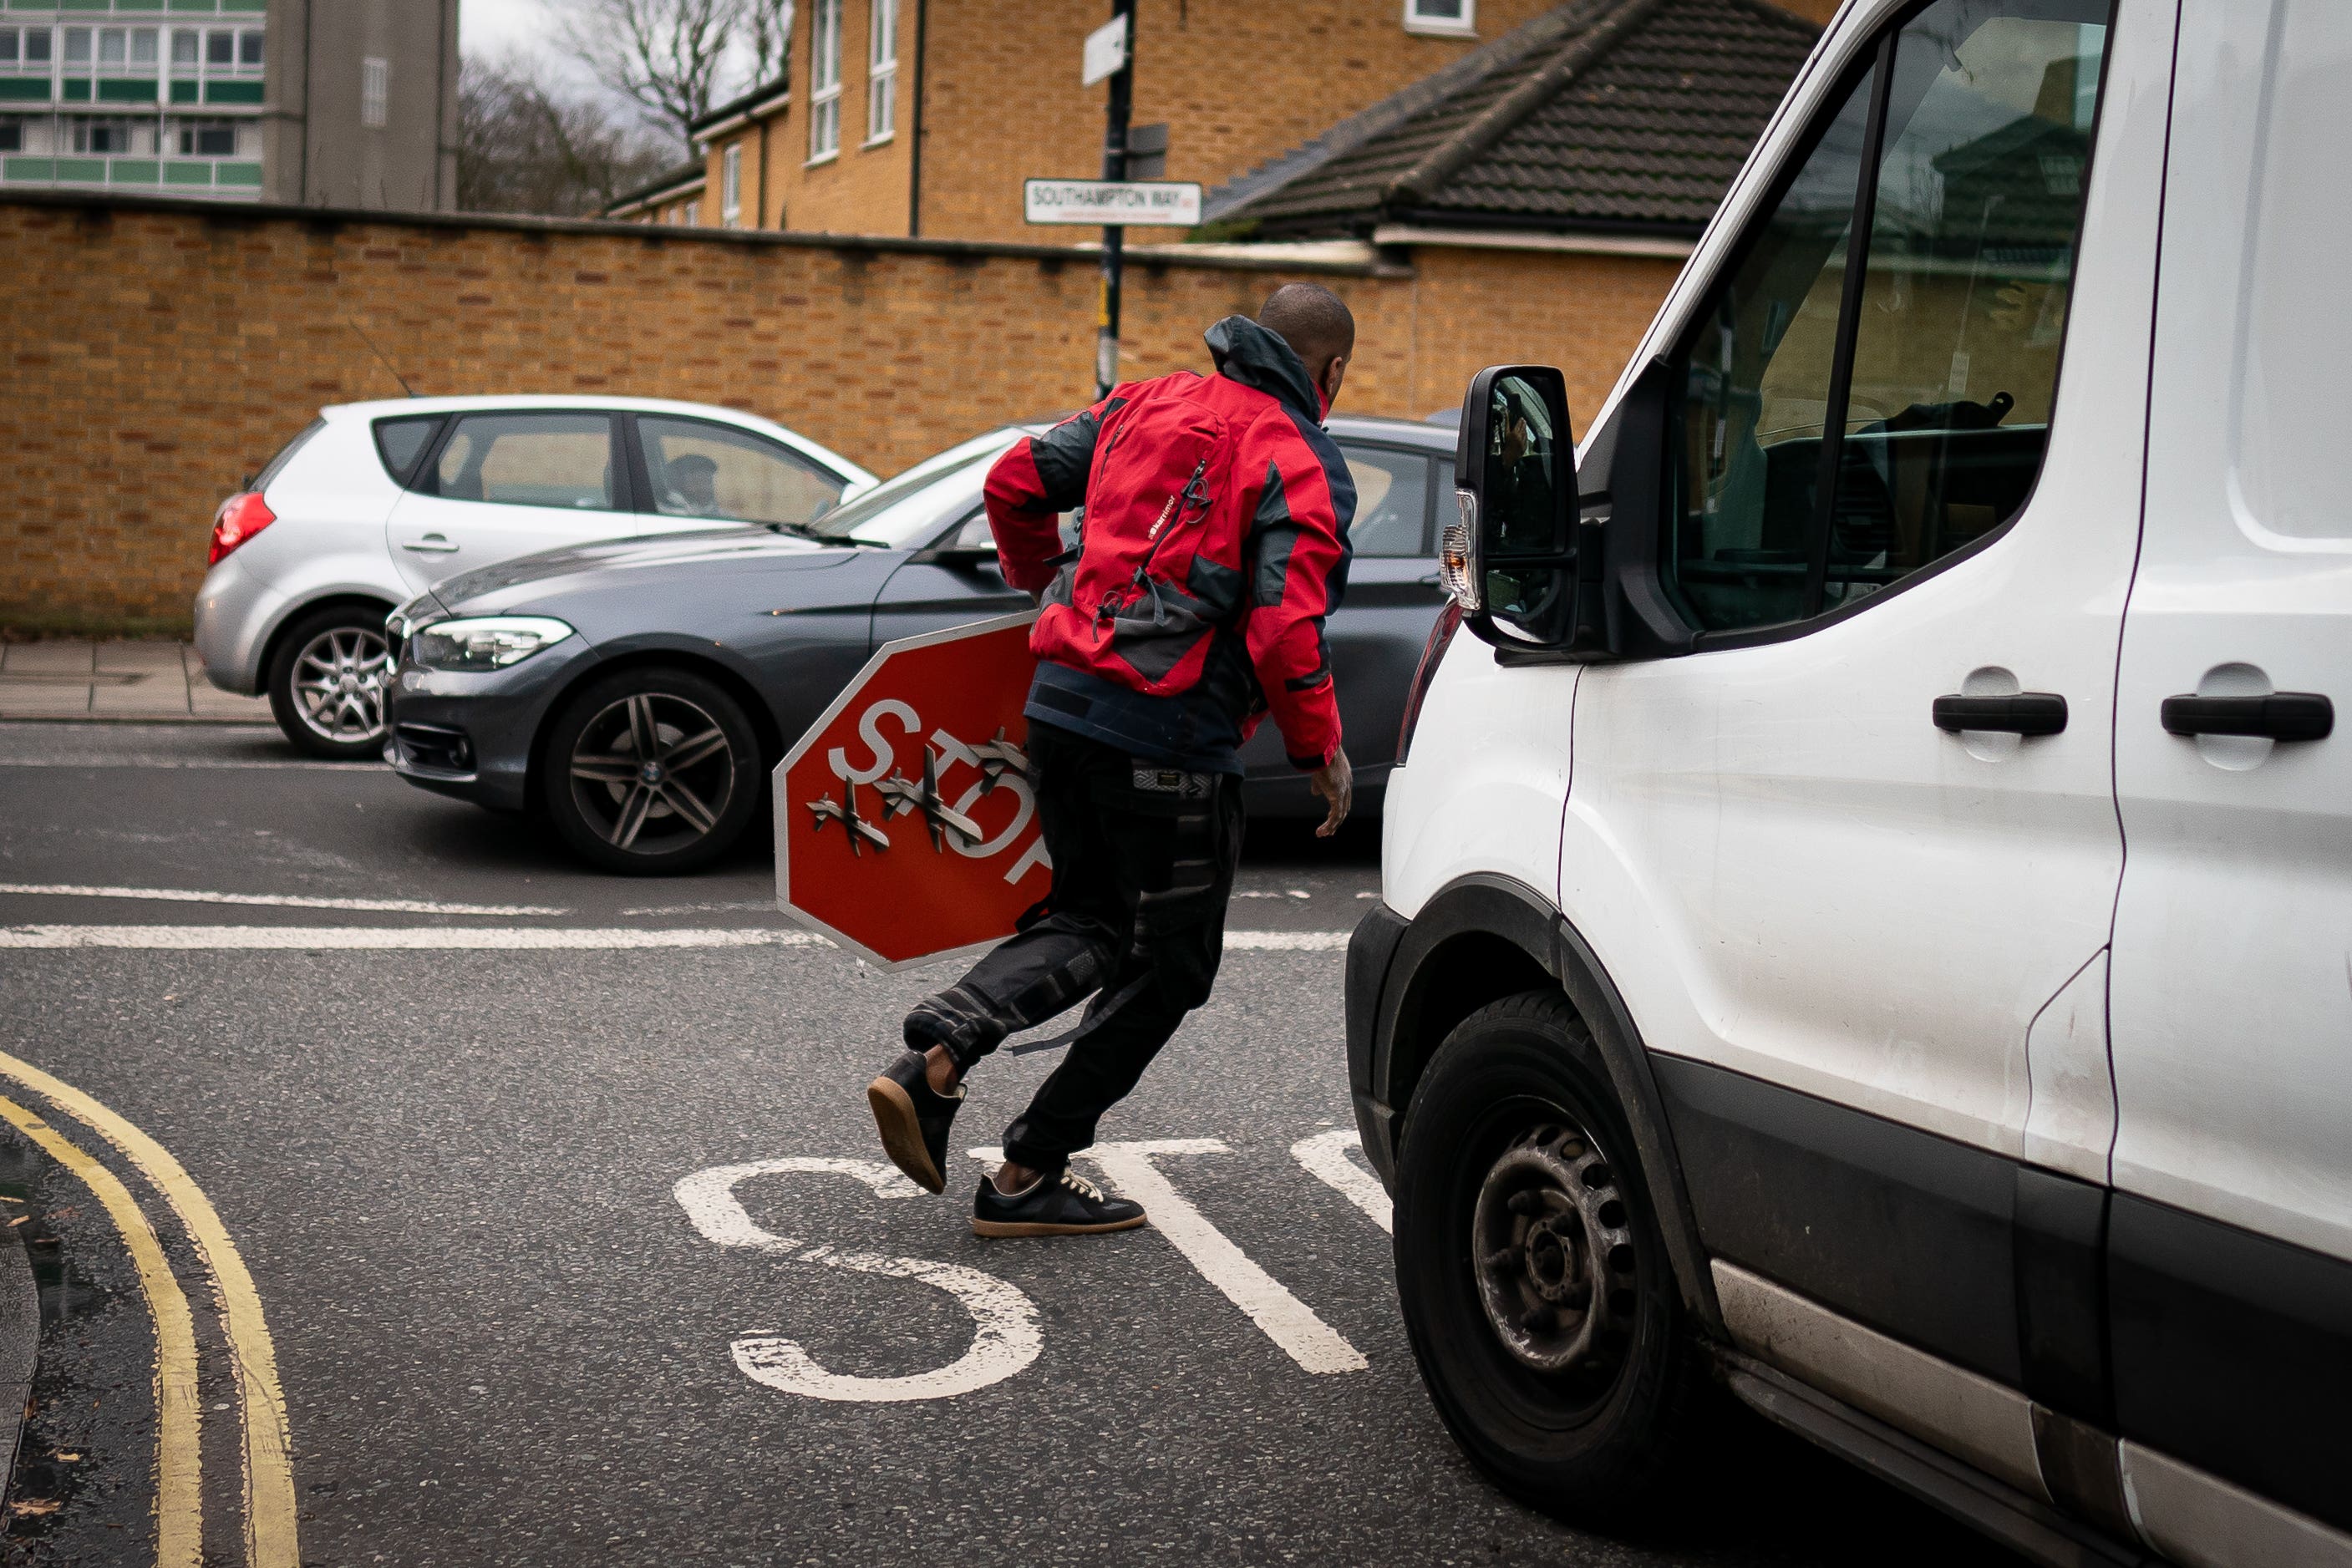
(347, 103)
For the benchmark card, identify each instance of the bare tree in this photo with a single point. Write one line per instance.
(768, 28)
(671, 58)
(525, 147)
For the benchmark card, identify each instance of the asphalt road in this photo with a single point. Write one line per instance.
(506, 1334)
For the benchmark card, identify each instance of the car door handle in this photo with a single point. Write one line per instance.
(431, 544)
(2281, 715)
(2017, 713)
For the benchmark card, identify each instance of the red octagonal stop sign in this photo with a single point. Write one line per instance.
(905, 824)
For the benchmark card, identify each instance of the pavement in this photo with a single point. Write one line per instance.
(568, 1240)
(146, 681)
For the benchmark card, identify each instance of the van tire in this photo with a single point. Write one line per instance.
(1514, 1124)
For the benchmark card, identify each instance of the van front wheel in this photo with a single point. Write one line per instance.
(1536, 1289)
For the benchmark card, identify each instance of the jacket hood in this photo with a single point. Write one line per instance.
(1248, 353)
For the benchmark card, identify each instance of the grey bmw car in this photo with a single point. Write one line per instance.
(638, 691)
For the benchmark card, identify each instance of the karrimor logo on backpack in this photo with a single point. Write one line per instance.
(1159, 567)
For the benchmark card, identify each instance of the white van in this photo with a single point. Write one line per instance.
(1868, 917)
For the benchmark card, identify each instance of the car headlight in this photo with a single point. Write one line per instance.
(400, 623)
(483, 642)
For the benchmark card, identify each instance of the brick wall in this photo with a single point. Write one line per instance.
(160, 351)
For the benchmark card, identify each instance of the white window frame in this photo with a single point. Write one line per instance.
(82, 129)
(824, 80)
(882, 73)
(375, 93)
(730, 185)
(1463, 26)
(191, 125)
(23, 65)
(693, 219)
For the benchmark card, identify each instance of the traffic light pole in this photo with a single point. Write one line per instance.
(1122, 95)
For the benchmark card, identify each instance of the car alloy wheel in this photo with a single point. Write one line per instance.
(651, 770)
(327, 681)
(1536, 1291)
(338, 681)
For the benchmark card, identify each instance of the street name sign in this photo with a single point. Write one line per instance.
(906, 827)
(1169, 203)
(1106, 54)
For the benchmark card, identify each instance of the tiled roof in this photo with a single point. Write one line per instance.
(673, 182)
(1613, 115)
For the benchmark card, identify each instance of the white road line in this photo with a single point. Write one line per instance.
(1325, 1157)
(504, 939)
(278, 900)
(361, 938)
(1286, 941)
(1006, 1336)
(176, 762)
(1310, 1341)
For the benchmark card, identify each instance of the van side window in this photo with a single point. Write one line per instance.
(1839, 430)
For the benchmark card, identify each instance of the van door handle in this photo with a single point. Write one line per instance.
(431, 544)
(2017, 713)
(2281, 715)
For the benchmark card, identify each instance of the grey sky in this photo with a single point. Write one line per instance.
(532, 31)
(491, 26)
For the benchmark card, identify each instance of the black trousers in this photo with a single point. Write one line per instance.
(1143, 869)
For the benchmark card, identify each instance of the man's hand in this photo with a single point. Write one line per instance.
(1335, 782)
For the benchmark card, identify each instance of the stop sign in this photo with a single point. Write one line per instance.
(905, 824)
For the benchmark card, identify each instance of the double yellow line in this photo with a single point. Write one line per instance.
(268, 1473)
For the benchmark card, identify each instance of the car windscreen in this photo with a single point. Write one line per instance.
(898, 514)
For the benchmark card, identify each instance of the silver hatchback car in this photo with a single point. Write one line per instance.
(376, 501)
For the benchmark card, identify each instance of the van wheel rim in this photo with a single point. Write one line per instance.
(653, 773)
(338, 681)
(1552, 1247)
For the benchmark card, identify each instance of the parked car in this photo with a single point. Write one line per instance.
(1762, 991)
(545, 682)
(373, 501)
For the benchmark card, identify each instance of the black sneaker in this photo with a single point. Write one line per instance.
(1066, 1204)
(913, 1119)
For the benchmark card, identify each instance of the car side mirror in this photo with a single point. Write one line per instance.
(1510, 557)
(970, 543)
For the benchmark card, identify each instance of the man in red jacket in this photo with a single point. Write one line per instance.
(1213, 543)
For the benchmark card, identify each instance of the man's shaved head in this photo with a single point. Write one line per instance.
(1313, 320)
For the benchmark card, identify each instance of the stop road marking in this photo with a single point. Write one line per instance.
(1006, 1335)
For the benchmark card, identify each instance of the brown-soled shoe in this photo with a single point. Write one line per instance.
(1064, 1205)
(913, 1119)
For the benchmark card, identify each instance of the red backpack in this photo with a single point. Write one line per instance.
(1158, 560)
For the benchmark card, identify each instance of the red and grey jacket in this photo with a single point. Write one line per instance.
(1213, 543)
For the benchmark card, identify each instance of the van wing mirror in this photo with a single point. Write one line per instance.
(1509, 558)
(1548, 562)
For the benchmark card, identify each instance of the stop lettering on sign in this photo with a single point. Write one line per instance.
(906, 825)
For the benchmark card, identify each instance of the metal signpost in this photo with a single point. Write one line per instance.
(1114, 201)
(1114, 167)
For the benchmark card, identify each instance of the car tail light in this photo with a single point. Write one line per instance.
(1432, 653)
(240, 517)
